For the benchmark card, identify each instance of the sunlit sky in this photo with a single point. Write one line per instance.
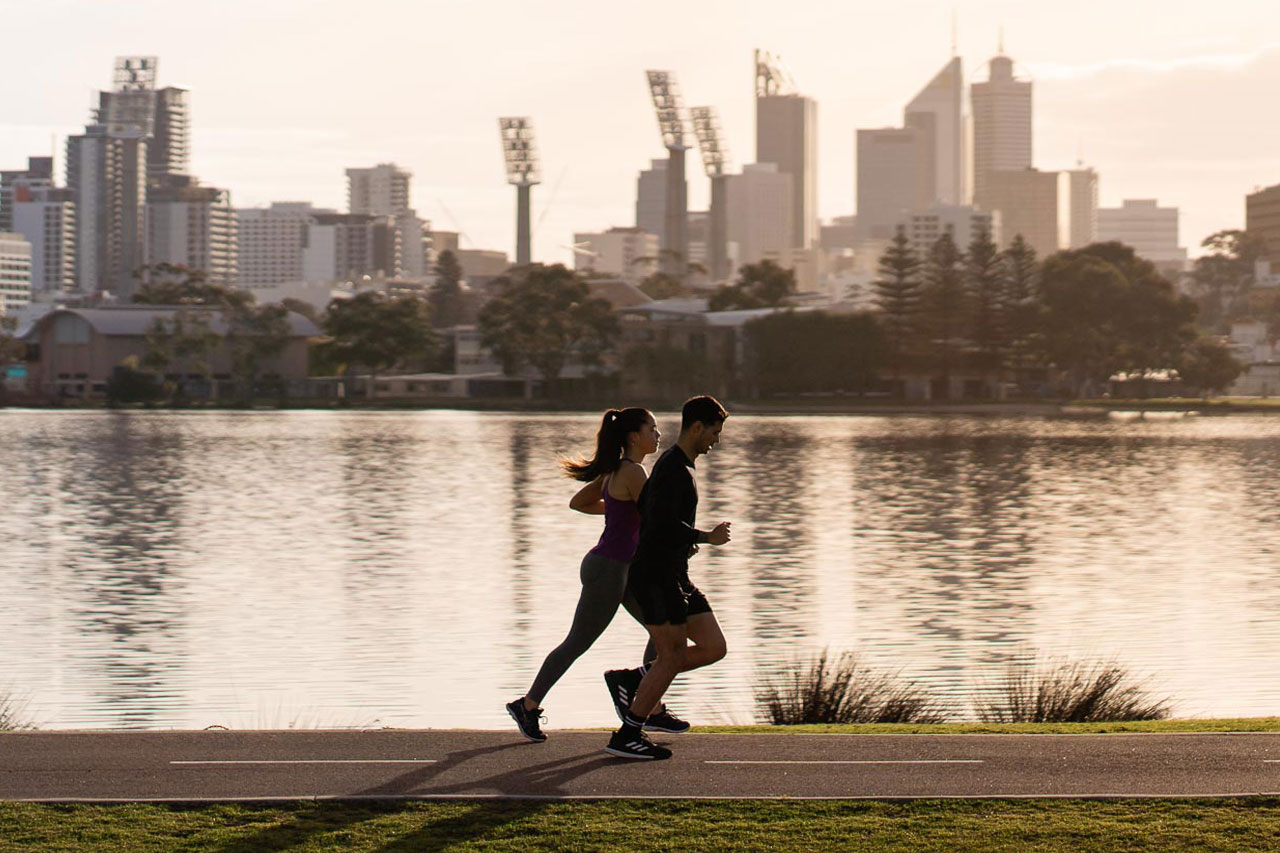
(1166, 99)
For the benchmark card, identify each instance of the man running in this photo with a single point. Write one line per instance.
(675, 612)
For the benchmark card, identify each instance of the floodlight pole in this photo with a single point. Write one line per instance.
(670, 111)
(522, 172)
(715, 158)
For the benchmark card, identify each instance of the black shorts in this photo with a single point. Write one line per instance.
(667, 598)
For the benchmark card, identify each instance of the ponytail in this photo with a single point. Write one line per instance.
(611, 444)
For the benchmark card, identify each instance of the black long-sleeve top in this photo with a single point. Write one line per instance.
(668, 505)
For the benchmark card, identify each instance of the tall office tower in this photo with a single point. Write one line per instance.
(347, 246)
(761, 209)
(629, 253)
(107, 177)
(192, 226)
(1262, 218)
(39, 173)
(1151, 230)
(962, 221)
(651, 198)
(1032, 203)
(269, 242)
(383, 190)
(46, 217)
(1084, 207)
(169, 151)
(787, 134)
(937, 113)
(894, 177)
(15, 272)
(1001, 124)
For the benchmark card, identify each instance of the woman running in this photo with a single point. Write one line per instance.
(614, 478)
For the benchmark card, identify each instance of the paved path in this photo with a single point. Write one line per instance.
(189, 766)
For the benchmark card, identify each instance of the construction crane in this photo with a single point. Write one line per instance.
(715, 160)
(522, 172)
(669, 108)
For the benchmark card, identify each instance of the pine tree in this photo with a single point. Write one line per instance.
(897, 297)
(984, 281)
(445, 296)
(944, 305)
(1020, 300)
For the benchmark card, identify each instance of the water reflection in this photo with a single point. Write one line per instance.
(265, 569)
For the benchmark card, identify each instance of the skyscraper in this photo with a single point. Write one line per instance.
(761, 217)
(937, 114)
(1151, 230)
(1262, 218)
(787, 135)
(894, 177)
(107, 177)
(39, 173)
(192, 226)
(1001, 124)
(651, 198)
(269, 242)
(46, 217)
(383, 190)
(1032, 203)
(1084, 207)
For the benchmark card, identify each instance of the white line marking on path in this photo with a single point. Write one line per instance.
(320, 761)
(920, 761)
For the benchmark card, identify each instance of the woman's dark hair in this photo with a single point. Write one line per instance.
(611, 444)
(702, 410)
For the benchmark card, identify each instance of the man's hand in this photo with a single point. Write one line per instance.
(719, 535)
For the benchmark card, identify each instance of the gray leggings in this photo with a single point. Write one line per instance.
(604, 584)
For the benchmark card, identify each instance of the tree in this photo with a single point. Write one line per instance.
(1021, 305)
(897, 298)
(128, 384)
(1209, 367)
(944, 305)
(984, 281)
(175, 284)
(306, 309)
(762, 285)
(255, 334)
(183, 344)
(1224, 277)
(542, 316)
(1106, 311)
(378, 333)
(446, 298)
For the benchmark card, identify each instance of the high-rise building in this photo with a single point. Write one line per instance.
(15, 272)
(1084, 207)
(629, 253)
(383, 190)
(937, 113)
(1262, 219)
(269, 242)
(894, 167)
(39, 173)
(1151, 230)
(787, 135)
(192, 226)
(651, 198)
(1032, 203)
(136, 109)
(963, 222)
(1001, 124)
(348, 246)
(169, 152)
(761, 214)
(107, 177)
(46, 217)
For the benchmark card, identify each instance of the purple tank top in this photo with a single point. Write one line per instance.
(621, 529)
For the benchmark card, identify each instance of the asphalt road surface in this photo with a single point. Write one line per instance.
(398, 764)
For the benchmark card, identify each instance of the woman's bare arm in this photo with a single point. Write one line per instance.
(590, 498)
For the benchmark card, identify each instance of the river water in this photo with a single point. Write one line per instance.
(411, 569)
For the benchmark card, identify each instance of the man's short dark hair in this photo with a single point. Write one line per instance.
(702, 410)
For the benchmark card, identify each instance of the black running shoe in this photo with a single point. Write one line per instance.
(663, 720)
(638, 747)
(622, 684)
(527, 721)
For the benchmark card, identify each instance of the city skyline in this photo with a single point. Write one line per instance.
(1160, 111)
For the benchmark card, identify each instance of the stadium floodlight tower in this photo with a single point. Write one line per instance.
(675, 231)
(715, 160)
(522, 172)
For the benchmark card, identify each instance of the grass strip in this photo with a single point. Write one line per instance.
(929, 825)
(1243, 724)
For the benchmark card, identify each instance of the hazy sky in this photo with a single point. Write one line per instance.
(1165, 98)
